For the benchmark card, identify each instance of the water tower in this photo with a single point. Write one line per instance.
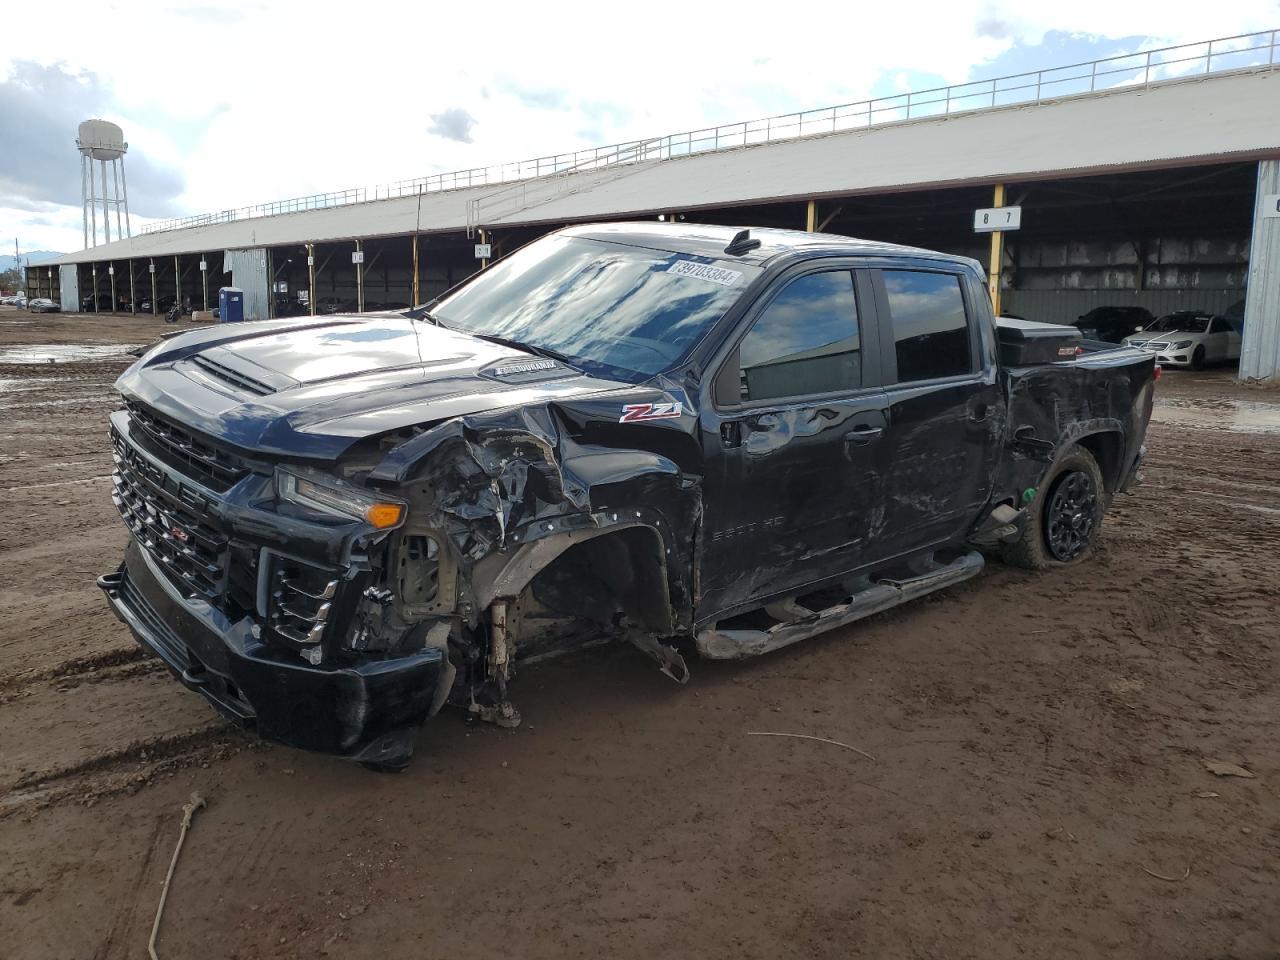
(102, 140)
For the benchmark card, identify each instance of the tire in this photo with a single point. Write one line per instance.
(1197, 359)
(1065, 518)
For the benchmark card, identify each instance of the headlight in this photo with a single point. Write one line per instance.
(338, 498)
(1181, 345)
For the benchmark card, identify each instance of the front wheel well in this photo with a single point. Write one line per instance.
(591, 574)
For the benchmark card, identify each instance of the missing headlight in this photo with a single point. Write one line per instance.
(425, 577)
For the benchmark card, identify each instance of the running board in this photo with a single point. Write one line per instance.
(715, 644)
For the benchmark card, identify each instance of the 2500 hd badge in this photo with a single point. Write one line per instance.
(343, 525)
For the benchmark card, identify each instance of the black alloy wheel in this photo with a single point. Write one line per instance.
(1071, 516)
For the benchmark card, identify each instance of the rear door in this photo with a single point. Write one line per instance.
(791, 435)
(1224, 341)
(945, 410)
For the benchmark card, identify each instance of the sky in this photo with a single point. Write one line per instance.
(238, 102)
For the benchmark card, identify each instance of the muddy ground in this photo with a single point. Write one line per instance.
(1039, 785)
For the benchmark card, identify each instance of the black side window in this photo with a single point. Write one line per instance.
(930, 334)
(1217, 326)
(805, 341)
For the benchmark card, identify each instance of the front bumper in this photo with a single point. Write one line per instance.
(369, 712)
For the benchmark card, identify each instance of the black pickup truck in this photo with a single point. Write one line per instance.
(680, 436)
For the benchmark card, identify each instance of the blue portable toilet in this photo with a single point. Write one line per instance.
(230, 304)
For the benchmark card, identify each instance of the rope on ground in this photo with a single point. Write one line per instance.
(188, 812)
(1160, 876)
(805, 736)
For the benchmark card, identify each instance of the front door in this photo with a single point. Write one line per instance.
(790, 439)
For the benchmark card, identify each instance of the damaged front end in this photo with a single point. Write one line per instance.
(336, 608)
(533, 533)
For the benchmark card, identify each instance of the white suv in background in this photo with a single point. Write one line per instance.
(1188, 338)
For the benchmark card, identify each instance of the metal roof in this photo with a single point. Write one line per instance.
(710, 240)
(1220, 117)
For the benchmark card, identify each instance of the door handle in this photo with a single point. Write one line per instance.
(863, 434)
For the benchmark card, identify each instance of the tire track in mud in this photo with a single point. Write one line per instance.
(124, 770)
(77, 666)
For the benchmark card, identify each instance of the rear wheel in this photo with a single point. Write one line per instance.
(1197, 359)
(1065, 517)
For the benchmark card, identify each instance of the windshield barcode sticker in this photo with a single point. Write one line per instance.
(702, 271)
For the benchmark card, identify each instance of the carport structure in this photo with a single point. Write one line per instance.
(1137, 178)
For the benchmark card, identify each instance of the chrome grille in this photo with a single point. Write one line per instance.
(301, 599)
(1158, 344)
(166, 519)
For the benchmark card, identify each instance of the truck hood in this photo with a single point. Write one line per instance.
(310, 388)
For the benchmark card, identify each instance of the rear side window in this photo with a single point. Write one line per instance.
(805, 342)
(930, 334)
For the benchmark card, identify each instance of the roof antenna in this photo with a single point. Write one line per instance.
(741, 243)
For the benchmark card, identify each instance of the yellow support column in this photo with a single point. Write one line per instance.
(359, 279)
(997, 256)
(311, 277)
(811, 216)
(417, 298)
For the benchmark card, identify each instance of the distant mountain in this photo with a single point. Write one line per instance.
(35, 256)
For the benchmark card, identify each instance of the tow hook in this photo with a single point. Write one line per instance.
(668, 658)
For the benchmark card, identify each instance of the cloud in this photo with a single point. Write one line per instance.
(452, 124)
(40, 110)
(534, 99)
(993, 27)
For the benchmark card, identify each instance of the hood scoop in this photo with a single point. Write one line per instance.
(521, 370)
(228, 369)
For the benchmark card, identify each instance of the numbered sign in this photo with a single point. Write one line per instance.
(203, 266)
(357, 256)
(1271, 205)
(484, 251)
(111, 271)
(997, 218)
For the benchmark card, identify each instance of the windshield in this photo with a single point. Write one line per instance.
(1179, 323)
(615, 310)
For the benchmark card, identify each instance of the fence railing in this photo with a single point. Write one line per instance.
(1184, 61)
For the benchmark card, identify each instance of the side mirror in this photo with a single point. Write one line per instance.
(1138, 328)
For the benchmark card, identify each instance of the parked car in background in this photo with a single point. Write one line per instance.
(1112, 324)
(1188, 338)
(43, 305)
(87, 305)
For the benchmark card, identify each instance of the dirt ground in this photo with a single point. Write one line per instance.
(1039, 786)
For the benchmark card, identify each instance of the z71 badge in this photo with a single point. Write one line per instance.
(639, 412)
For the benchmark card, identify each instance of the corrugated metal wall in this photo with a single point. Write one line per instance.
(69, 287)
(1260, 351)
(1057, 281)
(248, 269)
(1064, 306)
